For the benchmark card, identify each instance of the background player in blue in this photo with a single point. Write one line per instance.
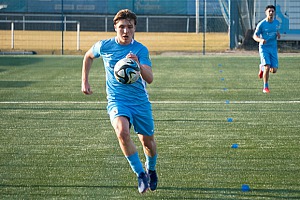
(266, 33)
(128, 104)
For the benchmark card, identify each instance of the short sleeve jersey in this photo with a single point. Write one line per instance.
(111, 52)
(268, 31)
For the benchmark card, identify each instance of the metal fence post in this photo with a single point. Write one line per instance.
(62, 27)
(78, 36)
(197, 16)
(204, 26)
(12, 35)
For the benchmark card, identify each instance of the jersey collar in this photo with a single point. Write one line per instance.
(132, 41)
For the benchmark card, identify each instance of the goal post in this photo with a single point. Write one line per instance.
(13, 22)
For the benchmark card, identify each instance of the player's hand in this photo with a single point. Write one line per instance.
(133, 57)
(278, 35)
(263, 41)
(86, 89)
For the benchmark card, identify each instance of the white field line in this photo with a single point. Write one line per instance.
(153, 102)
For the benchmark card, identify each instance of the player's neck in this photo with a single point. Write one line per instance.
(270, 19)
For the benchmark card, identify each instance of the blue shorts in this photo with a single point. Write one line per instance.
(139, 116)
(269, 56)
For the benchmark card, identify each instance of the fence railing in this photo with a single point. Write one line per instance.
(70, 32)
(146, 23)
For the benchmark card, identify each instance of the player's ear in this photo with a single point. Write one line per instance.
(115, 28)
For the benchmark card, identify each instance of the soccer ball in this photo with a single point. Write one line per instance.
(127, 71)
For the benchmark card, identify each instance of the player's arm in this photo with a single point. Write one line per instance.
(258, 39)
(86, 66)
(146, 73)
(256, 34)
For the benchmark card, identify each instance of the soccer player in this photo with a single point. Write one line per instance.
(267, 33)
(128, 104)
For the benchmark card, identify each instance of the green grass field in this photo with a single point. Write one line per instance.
(56, 143)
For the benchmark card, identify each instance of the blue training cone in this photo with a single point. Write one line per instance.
(245, 188)
(229, 119)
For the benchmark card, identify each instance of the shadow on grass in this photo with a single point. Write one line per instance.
(15, 84)
(230, 192)
(252, 194)
(15, 61)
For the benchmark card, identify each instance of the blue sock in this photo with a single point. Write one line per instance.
(151, 162)
(266, 85)
(135, 163)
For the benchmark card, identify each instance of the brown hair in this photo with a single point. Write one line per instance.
(125, 14)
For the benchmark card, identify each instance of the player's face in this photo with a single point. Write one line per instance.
(125, 31)
(270, 12)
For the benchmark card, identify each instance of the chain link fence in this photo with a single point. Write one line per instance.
(67, 26)
(71, 27)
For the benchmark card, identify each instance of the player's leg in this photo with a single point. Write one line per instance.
(260, 70)
(266, 75)
(265, 60)
(274, 62)
(144, 125)
(273, 70)
(262, 63)
(120, 119)
(122, 128)
(149, 147)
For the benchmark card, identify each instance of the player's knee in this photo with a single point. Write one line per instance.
(149, 143)
(123, 135)
(267, 68)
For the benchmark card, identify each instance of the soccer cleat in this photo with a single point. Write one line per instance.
(152, 179)
(143, 185)
(266, 90)
(260, 73)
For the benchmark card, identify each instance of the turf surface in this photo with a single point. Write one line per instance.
(56, 143)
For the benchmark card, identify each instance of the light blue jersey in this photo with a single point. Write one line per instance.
(127, 100)
(268, 51)
(111, 52)
(268, 31)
